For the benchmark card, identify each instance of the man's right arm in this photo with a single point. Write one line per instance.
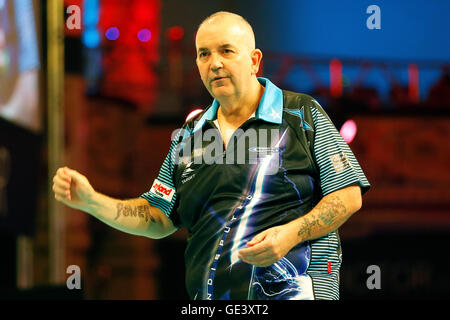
(134, 216)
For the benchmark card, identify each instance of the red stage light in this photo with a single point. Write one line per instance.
(335, 78)
(413, 87)
(175, 33)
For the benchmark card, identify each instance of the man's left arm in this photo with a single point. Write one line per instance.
(328, 215)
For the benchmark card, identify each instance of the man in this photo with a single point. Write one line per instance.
(263, 229)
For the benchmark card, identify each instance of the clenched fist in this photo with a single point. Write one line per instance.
(72, 188)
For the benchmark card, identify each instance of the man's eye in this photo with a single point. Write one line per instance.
(227, 51)
(202, 54)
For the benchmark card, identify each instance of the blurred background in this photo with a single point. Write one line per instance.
(99, 86)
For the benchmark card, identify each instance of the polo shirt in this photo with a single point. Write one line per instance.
(276, 168)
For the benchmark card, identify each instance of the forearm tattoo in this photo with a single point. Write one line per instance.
(142, 212)
(330, 209)
(328, 212)
(307, 227)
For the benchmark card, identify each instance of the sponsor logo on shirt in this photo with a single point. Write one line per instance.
(340, 162)
(188, 173)
(187, 170)
(264, 150)
(162, 190)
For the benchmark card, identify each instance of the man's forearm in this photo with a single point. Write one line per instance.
(133, 216)
(328, 215)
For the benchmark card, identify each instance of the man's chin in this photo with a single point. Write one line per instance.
(220, 92)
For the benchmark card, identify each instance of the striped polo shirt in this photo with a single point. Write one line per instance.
(277, 166)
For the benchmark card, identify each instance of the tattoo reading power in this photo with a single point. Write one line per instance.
(230, 309)
(134, 211)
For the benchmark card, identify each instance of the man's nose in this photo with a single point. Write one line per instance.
(216, 62)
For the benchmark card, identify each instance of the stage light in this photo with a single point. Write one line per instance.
(144, 35)
(91, 38)
(91, 13)
(336, 78)
(413, 83)
(192, 114)
(112, 33)
(175, 33)
(348, 130)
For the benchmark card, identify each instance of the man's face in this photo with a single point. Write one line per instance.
(224, 57)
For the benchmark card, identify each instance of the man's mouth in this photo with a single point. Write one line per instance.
(218, 78)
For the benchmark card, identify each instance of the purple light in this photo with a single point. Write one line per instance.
(144, 35)
(112, 33)
(348, 130)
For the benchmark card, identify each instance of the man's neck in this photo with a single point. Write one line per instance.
(237, 111)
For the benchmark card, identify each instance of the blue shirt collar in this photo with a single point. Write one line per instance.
(270, 107)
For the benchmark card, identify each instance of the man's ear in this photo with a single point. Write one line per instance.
(256, 57)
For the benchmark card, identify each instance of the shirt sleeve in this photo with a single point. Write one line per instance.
(162, 193)
(337, 164)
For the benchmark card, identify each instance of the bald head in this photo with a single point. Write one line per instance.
(226, 57)
(237, 23)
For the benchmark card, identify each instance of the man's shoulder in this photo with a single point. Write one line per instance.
(293, 99)
(191, 121)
